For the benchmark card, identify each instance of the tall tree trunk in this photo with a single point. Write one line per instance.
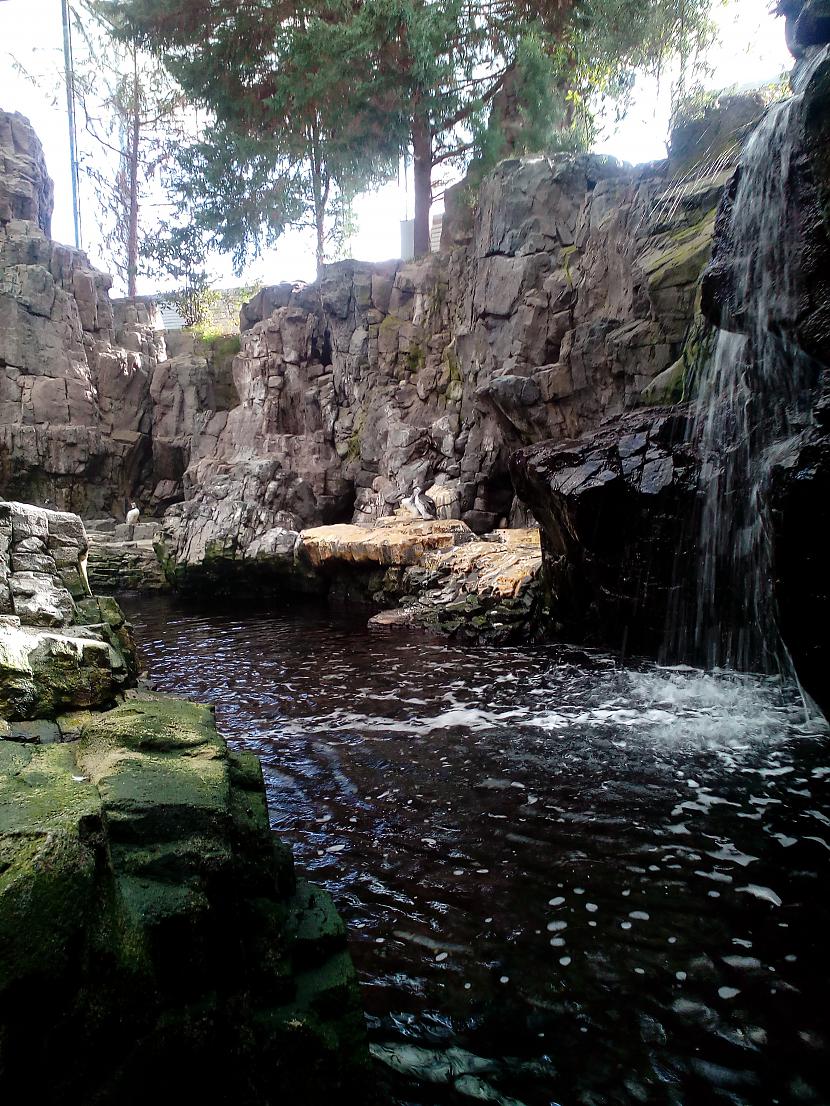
(422, 169)
(132, 174)
(320, 190)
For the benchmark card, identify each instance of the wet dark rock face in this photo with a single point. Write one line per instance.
(613, 507)
(799, 486)
(617, 506)
(800, 507)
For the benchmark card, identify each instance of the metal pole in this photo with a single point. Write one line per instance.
(70, 113)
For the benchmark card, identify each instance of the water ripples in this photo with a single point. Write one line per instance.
(603, 883)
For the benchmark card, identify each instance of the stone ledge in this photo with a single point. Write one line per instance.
(390, 541)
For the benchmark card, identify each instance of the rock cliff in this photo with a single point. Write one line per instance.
(92, 410)
(628, 555)
(562, 292)
(568, 293)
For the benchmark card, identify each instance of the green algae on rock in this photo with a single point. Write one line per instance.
(152, 928)
(60, 647)
(151, 925)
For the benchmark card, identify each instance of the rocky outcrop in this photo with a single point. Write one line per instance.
(487, 591)
(432, 575)
(153, 929)
(621, 507)
(807, 22)
(151, 926)
(92, 410)
(392, 541)
(26, 190)
(615, 509)
(61, 647)
(559, 296)
(552, 308)
(58, 443)
(123, 557)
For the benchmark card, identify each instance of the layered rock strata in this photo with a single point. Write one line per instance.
(618, 505)
(614, 508)
(487, 591)
(61, 647)
(93, 412)
(123, 558)
(433, 575)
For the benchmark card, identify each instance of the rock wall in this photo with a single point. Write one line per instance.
(614, 509)
(567, 294)
(616, 505)
(92, 410)
(61, 647)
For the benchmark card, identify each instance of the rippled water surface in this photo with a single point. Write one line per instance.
(567, 881)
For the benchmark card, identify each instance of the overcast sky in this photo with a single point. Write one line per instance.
(751, 51)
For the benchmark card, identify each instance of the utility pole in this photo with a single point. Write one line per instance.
(70, 114)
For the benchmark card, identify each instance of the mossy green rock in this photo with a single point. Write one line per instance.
(153, 938)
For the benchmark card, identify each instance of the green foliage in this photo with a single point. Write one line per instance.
(314, 99)
(289, 142)
(178, 253)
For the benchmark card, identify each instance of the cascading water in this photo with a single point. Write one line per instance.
(754, 399)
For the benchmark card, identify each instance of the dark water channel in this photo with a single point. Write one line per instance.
(567, 881)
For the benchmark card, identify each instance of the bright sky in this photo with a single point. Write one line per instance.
(751, 51)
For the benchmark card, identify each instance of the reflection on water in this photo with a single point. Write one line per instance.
(567, 881)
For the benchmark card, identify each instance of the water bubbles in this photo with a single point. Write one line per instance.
(633, 755)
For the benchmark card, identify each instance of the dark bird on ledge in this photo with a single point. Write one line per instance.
(424, 504)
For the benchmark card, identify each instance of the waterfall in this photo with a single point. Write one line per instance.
(754, 399)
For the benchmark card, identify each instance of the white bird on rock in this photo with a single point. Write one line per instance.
(408, 504)
(132, 514)
(424, 504)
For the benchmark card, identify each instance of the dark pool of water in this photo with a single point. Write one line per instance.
(567, 881)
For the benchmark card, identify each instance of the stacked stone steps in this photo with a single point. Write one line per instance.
(122, 557)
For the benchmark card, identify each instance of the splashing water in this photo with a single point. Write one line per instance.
(754, 400)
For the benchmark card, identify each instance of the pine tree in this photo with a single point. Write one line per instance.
(289, 143)
(422, 75)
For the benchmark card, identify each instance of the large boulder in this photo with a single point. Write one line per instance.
(153, 931)
(614, 507)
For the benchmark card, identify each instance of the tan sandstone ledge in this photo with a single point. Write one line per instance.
(438, 575)
(390, 541)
